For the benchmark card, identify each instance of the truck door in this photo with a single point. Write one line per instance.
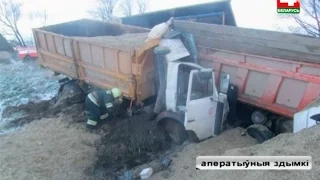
(201, 103)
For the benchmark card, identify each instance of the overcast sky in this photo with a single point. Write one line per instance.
(259, 14)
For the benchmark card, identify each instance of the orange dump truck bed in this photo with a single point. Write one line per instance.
(279, 72)
(101, 54)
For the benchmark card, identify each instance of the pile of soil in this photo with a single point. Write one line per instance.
(47, 149)
(184, 162)
(304, 143)
(129, 143)
(127, 41)
(98, 154)
(231, 143)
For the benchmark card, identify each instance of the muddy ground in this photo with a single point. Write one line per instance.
(59, 126)
(69, 101)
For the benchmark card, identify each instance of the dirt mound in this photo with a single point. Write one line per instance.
(130, 142)
(230, 143)
(304, 143)
(183, 165)
(47, 149)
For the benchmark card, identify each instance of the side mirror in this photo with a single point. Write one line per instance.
(224, 82)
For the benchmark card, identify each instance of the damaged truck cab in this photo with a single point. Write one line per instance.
(194, 107)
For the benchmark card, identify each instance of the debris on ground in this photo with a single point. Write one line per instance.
(127, 175)
(166, 161)
(146, 173)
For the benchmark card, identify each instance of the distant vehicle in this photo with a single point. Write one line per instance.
(27, 53)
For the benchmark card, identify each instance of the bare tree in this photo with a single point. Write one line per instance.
(126, 7)
(41, 15)
(104, 9)
(308, 21)
(142, 6)
(10, 13)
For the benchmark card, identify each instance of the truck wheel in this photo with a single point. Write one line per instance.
(193, 137)
(260, 132)
(175, 132)
(27, 59)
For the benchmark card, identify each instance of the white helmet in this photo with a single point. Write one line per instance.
(116, 92)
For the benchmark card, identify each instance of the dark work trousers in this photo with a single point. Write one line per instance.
(95, 112)
(162, 74)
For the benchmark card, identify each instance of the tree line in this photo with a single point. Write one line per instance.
(11, 13)
(104, 9)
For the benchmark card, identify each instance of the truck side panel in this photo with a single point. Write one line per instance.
(61, 61)
(252, 41)
(104, 67)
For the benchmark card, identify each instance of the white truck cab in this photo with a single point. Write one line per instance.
(194, 106)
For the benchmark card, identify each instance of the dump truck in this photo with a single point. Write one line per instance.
(78, 50)
(106, 55)
(274, 74)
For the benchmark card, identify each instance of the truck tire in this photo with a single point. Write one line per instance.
(260, 132)
(193, 137)
(175, 131)
(27, 59)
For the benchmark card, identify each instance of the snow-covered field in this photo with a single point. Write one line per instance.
(21, 83)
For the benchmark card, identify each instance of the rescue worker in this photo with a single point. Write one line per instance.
(101, 105)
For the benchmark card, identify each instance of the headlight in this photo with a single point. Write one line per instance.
(224, 82)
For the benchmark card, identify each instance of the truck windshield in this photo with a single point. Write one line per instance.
(202, 85)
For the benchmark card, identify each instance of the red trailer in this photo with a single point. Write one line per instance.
(281, 86)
